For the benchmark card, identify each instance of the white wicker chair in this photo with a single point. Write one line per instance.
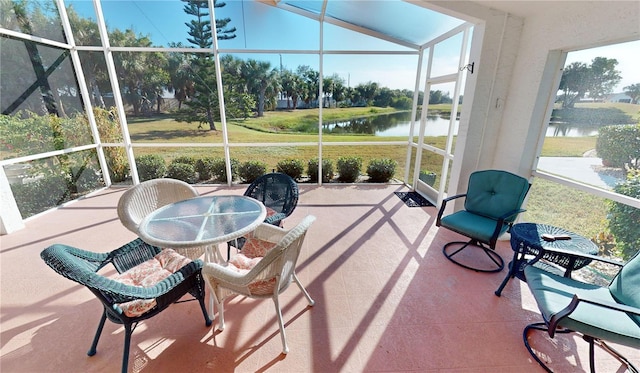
(268, 278)
(142, 199)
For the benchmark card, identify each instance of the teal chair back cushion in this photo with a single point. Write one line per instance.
(625, 287)
(494, 193)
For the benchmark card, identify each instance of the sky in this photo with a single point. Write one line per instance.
(164, 21)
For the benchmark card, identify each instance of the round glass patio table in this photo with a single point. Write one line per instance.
(202, 221)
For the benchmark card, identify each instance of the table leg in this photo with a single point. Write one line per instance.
(513, 269)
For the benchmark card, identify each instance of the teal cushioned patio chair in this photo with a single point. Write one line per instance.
(493, 201)
(82, 266)
(598, 313)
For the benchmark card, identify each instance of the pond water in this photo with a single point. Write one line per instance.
(398, 124)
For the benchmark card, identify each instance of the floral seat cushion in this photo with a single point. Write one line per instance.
(147, 274)
(252, 252)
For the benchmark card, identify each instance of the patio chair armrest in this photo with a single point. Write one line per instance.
(275, 219)
(268, 232)
(57, 256)
(510, 214)
(575, 301)
(223, 274)
(444, 204)
(501, 223)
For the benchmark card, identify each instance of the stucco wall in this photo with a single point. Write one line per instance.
(574, 25)
(518, 67)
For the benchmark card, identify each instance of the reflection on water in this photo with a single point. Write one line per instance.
(398, 124)
(570, 130)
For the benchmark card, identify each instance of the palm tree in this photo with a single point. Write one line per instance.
(180, 79)
(291, 86)
(633, 91)
(260, 80)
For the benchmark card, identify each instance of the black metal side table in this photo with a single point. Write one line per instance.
(527, 239)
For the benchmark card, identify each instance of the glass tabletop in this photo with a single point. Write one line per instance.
(201, 221)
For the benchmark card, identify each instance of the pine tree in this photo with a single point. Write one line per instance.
(204, 106)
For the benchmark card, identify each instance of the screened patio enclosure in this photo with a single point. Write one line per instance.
(82, 90)
(88, 88)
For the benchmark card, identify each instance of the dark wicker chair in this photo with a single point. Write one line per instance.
(492, 202)
(81, 266)
(597, 313)
(279, 193)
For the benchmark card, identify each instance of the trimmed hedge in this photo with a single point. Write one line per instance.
(182, 171)
(251, 170)
(624, 220)
(292, 167)
(349, 169)
(327, 170)
(381, 170)
(619, 146)
(150, 166)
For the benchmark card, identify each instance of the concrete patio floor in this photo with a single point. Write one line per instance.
(386, 300)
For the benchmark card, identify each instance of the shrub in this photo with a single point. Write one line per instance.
(327, 170)
(109, 129)
(150, 166)
(215, 168)
(251, 170)
(185, 159)
(221, 170)
(40, 195)
(205, 167)
(291, 167)
(349, 169)
(624, 219)
(381, 170)
(182, 171)
(619, 145)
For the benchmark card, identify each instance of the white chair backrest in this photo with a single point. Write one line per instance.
(282, 259)
(146, 197)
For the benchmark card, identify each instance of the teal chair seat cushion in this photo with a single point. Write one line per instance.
(553, 293)
(471, 225)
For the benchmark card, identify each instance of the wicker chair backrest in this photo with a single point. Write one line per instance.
(281, 260)
(140, 200)
(275, 190)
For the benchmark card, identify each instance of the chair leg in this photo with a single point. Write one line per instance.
(630, 367)
(304, 291)
(283, 336)
(537, 326)
(220, 303)
(207, 319)
(495, 258)
(592, 342)
(127, 344)
(94, 344)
